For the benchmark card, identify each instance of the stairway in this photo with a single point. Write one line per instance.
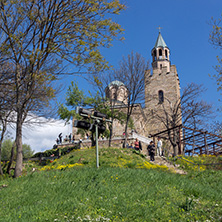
(143, 139)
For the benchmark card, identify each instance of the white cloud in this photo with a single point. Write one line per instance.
(43, 137)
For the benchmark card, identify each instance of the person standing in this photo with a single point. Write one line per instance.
(70, 138)
(159, 147)
(151, 150)
(137, 145)
(60, 138)
(140, 146)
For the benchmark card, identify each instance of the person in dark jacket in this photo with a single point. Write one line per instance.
(151, 151)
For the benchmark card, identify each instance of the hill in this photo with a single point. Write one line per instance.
(125, 188)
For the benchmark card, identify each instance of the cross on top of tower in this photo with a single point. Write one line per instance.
(159, 29)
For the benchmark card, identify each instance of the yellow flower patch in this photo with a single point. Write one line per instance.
(60, 167)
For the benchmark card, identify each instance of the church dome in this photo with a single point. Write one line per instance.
(117, 91)
(117, 83)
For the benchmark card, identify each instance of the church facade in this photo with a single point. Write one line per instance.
(162, 92)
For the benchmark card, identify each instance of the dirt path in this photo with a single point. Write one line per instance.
(165, 162)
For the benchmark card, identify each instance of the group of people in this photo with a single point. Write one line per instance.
(152, 149)
(69, 138)
(136, 145)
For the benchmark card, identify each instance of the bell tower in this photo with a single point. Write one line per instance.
(161, 55)
(162, 85)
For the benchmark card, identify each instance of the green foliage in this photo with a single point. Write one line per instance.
(62, 151)
(76, 97)
(77, 30)
(198, 163)
(27, 151)
(7, 147)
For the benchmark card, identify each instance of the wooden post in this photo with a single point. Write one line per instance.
(205, 143)
(184, 141)
(179, 151)
(193, 143)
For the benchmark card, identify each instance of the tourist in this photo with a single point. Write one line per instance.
(130, 146)
(151, 151)
(136, 145)
(70, 137)
(60, 138)
(159, 147)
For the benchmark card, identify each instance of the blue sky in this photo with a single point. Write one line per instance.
(185, 30)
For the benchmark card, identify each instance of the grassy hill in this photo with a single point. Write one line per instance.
(125, 188)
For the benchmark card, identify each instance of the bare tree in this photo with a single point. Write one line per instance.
(6, 103)
(36, 36)
(215, 39)
(131, 72)
(188, 109)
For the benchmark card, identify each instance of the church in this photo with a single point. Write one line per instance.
(162, 91)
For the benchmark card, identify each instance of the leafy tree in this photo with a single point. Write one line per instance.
(6, 149)
(36, 36)
(7, 145)
(27, 151)
(76, 97)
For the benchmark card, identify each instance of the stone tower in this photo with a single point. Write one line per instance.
(162, 86)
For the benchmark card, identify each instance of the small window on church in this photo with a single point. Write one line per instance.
(161, 97)
(161, 66)
(160, 53)
(166, 54)
(154, 55)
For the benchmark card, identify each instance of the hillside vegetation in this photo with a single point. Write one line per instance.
(126, 187)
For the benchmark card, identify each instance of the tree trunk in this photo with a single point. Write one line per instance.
(111, 133)
(11, 158)
(19, 156)
(126, 134)
(175, 150)
(1, 140)
(1, 172)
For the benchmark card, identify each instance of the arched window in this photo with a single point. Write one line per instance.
(166, 55)
(154, 55)
(161, 96)
(160, 54)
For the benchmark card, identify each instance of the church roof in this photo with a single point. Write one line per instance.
(160, 42)
(116, 82)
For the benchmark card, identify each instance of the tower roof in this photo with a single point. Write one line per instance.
(160, 42)
(116, 82)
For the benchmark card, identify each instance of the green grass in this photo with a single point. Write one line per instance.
(117, 191)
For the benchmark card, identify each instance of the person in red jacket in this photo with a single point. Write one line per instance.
(136, 145)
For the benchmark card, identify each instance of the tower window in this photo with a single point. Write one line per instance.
(154, 55)
(161, 66)
(160, 53)
(161, 96)
(166, 55)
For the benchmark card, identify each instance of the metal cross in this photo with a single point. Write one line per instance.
(159, 28)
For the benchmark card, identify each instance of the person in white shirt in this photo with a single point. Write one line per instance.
(159, 147)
